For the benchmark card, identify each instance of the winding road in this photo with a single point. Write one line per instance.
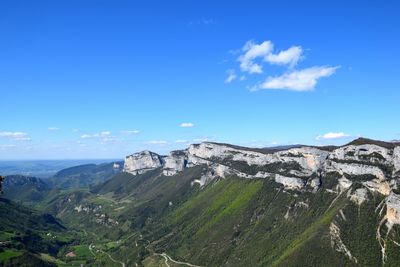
(168, 258)
(109, 256)
(164, 255)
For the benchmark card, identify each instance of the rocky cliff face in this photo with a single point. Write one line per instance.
(141, 162)
(378, 167)
(298, 168)
(375, 166)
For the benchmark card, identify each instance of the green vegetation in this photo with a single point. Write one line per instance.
(8, 254)
(6, 236)
(133, 219)
(304, 237)
(84, 176)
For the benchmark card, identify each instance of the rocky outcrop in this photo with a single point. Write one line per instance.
(174, 163)
(141, 162)
(366, 152)
(354, 169)
(290, 182)
(396, 160)
(359, 196)
(393, 208)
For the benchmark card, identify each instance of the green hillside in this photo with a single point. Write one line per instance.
(159, 219)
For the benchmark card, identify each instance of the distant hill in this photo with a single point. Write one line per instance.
(24, 188)
(85, 175)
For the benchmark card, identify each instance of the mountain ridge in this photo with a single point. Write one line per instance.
(224, 205)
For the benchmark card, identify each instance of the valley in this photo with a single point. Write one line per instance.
(211, 205)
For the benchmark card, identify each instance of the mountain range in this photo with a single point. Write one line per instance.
(218, 204)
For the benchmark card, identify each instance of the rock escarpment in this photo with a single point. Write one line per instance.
(377, 166)
(141, 162)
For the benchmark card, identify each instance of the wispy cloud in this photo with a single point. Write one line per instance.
(332, 135)
(96, 135)
(186, 125)
(53, 128)
(299, 80)
(181, 141)
(18, 136)
(231, 76)
(157, 142)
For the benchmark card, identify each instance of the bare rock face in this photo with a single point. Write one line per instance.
(383, 187)
(393, 208)
(290, 182)
(344, 184)
(396, 160)
(142, 162)
(310, 159)
(359, 196)
(376, 166)
(354, 169)
(371, 153)
(174, 163)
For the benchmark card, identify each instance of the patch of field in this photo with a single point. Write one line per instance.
(82, 251)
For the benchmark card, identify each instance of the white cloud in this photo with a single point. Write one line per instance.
(289, 57)
(231, 76)
(53, 128)
(86, 136)
(105, 133)
(157, 142)
(181, 141)
(103, 138)
(18, 136)
(254, 56)
(332, 135)
(186, 125)
(130, 132)
(96, 135)
(299, 80)
(253, 51)
(75, 130)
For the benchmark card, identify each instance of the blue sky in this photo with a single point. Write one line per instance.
(102, 79)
